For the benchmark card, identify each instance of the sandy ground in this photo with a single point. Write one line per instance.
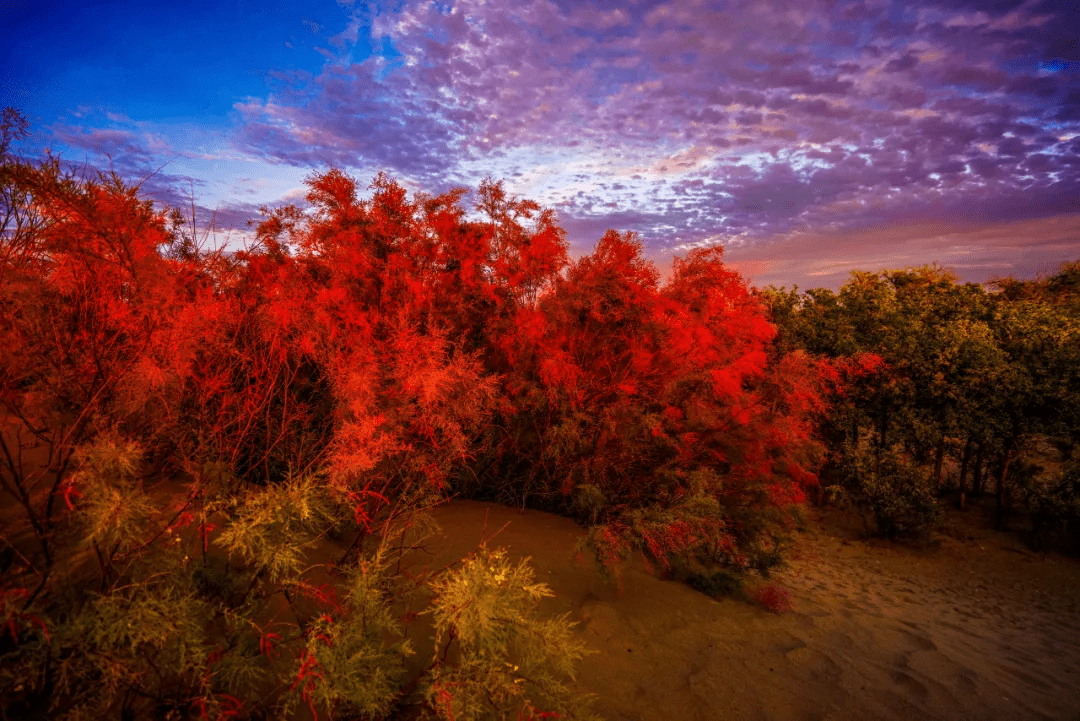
(969, 626)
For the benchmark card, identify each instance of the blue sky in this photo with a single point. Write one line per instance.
(808, 138)
(166, 61)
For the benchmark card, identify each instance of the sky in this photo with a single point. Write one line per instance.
(809, 139)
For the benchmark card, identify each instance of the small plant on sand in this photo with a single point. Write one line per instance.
(774, 597)
(244, 620)
(507, 662)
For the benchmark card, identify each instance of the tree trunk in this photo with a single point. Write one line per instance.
(977, 474)
(964, 461)
(939, 459)
(999, 515)
(883, 429)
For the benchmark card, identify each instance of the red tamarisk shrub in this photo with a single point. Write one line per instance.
(774, 597)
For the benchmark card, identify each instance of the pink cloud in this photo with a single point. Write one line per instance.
(978, 252)
(689, 121)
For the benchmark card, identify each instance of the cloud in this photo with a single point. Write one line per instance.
(978, 252)
(688, 121)
(812, 114)
(125, 144)
(148, 159)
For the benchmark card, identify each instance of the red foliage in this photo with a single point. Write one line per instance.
(444, 699)
(306, 678)
(13, 618)
(428, 328)
(228, 707)
(674, 375)
(325, 595)
(409, 351)
(774, 597)
(266, 644)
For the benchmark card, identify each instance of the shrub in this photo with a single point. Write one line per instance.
(719, 584)
(1054, 505)
(183, 622)
(699, 528)
(510, 663)
(774, 597)
(896, 494)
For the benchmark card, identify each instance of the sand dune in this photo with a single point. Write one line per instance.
(969, 627)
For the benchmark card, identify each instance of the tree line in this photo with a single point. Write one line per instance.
(970, 374)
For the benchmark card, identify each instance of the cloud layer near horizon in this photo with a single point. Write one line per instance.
(692, 123)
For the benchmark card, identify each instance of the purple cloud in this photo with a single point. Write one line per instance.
(132, 156)
(803, 113)
(688, 121)
(977, 252)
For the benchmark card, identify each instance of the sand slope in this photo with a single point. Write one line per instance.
(976, 628)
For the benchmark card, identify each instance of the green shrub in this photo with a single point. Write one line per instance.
(183, 618)
(895, 494)
(719, 584)
(1054, 506)
(510, 662)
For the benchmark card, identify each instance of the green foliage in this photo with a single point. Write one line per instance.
(353, 661)
(897, 493)
(589, 501)
(272, 528)
(155, 616)
(150, 635)
(509, 661)
(117, 633)
(197, 636)
(718, 584)
(968, 372)
(115, 509)
(1054, 505)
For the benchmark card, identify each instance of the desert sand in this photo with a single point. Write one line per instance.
(969, 625)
